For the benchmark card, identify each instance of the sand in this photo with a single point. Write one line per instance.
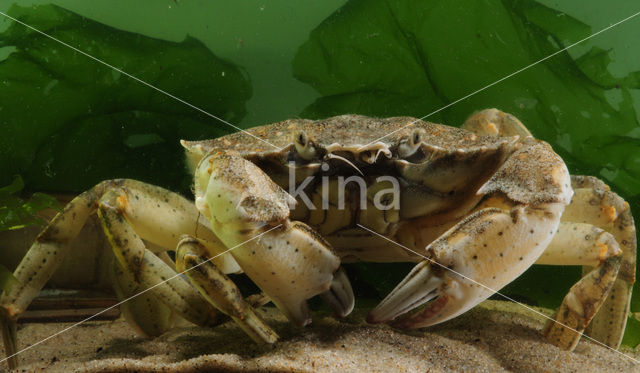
(493, 337)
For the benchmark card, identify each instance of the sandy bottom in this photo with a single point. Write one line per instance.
(493, 337)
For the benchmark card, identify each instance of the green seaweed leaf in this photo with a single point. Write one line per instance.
(15, 213)
(632, 332)
(387, 58)
(69, 121)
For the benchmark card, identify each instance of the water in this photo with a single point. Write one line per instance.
(67, 122)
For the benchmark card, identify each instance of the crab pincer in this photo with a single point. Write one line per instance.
(504, 235)
(290, 262)
(469, 263)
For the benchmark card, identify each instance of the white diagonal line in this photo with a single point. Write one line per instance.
(138, 80)
(504, 78)
(136, 295)
(500, 294)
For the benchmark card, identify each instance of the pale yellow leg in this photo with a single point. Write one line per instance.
(493, 122)
(219, 290)
(145, 268)
(145, 312)
(594, 203)
(159, 216)
(582, 244)
(42, 260)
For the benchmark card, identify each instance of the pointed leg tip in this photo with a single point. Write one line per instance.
(8, 324)
(296, 312)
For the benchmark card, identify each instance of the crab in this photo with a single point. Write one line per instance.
(473, 207)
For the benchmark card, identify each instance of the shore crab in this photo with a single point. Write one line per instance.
(485, 201)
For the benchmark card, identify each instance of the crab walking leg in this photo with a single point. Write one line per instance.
(146, 313)
(219, 290)
(173, 216)
(43, 258)
(493, 122)
(594, 203)
(48, 250)
(147, 269)
(161, 217)
(578, 243)
(490, 248)
(170, 216)
(291, 263)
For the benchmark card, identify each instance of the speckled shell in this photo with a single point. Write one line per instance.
(535, 175)
(347, 132)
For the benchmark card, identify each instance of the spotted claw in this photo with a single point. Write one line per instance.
(449, 293)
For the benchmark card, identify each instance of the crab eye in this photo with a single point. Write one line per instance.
(416, 138)
(411, 144)
(304, 146)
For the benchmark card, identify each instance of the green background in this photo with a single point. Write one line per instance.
(263, 36)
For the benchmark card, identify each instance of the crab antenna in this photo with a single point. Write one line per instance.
(333, 156)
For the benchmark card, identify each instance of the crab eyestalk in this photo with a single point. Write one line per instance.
(304, 146)
(411, 144)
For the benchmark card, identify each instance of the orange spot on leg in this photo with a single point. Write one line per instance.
(123, 202)
(492, 128)
(604, 249)
(610, 212)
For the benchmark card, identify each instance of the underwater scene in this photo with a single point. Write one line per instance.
(410, 244)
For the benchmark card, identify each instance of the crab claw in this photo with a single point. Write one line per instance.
(451, 297)
(340, 295)
(420, 286)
